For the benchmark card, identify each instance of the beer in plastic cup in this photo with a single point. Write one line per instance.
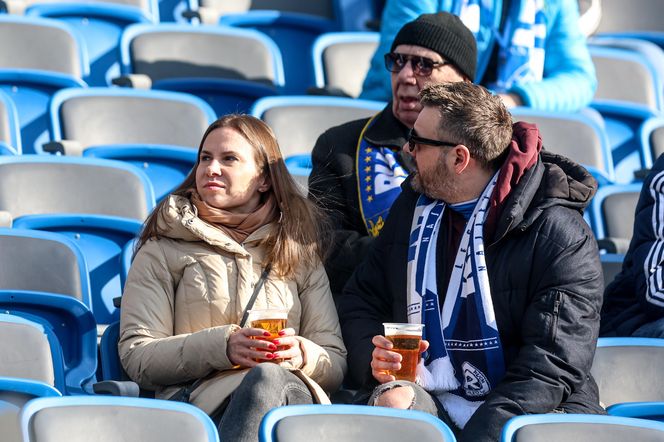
(272, 320)
(405, 339)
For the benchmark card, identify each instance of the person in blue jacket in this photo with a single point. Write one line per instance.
(530, 52)
(634, 301)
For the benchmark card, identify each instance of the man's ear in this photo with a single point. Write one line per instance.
(461, 156)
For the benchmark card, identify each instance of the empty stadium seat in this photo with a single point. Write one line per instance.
(105, 116)
(30, 351)
(651, 134)
(582, 427)
(73, 327)
(44, 56)
(303, 423)
(341, 60)
(109, 419)
(294, 34)
(611, 266)
(612, 213)
(228, 67)
(577, 136)
(640, 410)
(100, 25)
(641, 20)
(629, 370)
(311, 116)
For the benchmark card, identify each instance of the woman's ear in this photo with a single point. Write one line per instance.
(265, 183)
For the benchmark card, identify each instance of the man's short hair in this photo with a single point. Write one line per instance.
(445, 34)
(472, 116)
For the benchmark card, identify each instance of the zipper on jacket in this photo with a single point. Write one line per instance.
(555, 313)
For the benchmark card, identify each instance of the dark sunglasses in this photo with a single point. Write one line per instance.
(421, 66)
(414, 140)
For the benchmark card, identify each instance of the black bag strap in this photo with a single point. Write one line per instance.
(183, 394)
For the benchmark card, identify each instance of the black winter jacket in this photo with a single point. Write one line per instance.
(546, 286)
(636, 295)
(333, 186)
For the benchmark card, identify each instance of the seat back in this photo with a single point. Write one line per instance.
(629, 370)
(624, 75)
(577, 136)
(642, 15)
(42, 185)
(9, 128)
(613, 210)
(312, 115)
(651, 134)
(106, 419)
(148, 7)
(98, 116)
(585, 427)
(40, 44)
(300, 423)
(111, 367)
(42, 261)
(342, 60)
(611, 266)
(172, 51)
(29, 351)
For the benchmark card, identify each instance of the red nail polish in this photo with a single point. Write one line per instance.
(269, 356)
(282, 333)
(272, 347)
(275, 341)
(266, 334)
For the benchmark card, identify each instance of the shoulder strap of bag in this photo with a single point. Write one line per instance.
(183, 394)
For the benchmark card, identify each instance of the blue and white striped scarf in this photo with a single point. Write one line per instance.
(521, 57)
(465, 359)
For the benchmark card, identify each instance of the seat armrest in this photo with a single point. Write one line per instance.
(136, 81)
(117, 388)
(64, 147)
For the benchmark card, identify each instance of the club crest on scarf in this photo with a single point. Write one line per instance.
(379, 179)
(465, 359)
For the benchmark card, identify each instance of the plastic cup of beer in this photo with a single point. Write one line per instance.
(272, 320)
(405, 339)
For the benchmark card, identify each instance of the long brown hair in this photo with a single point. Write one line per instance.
(301, 228)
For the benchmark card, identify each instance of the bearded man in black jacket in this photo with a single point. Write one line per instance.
(487, 247)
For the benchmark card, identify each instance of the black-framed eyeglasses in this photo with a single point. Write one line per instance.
(414, 140)
(421, 66)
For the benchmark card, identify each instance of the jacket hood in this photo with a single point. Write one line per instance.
(178, 219)
(552, 180)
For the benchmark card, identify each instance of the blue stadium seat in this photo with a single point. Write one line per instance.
(641, 20)
(629, 370)
(100, 25)
(342, 59)
(30, 352)
(578, 136)
(294, 34)
(612, 213)
(73, 327)
(44, 56)
(301, 423)
(227, 67)
(585, 427)
(641, 410)
(111, 368)
(95, 117)
(651, 134)
(107, 419)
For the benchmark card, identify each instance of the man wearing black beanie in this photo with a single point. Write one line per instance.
(358, 167)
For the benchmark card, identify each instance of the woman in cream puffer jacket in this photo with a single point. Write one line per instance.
(195, 271)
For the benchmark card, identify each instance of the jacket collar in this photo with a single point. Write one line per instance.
(179, 220)
(386, 130)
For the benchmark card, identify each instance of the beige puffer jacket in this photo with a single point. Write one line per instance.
(185, 294)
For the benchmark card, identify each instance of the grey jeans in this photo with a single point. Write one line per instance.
(265, 387)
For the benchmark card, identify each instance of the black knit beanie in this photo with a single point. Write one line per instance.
(445, 34)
